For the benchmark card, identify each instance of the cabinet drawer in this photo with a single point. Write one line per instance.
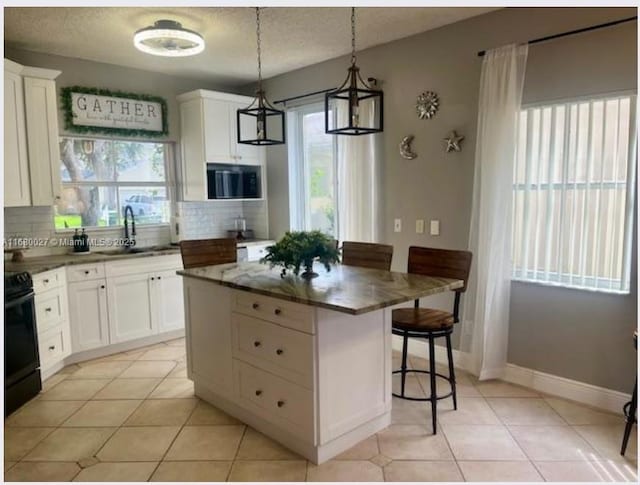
(289, 403)
(287, 353)
(288, 314)
(85, 272)
(51, 309)
(48, 280)
(54, 345)
(255, 252)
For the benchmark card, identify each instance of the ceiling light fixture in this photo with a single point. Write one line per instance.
(260, 123)
(168, 38)
(355, 108)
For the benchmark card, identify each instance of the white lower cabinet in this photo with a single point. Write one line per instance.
(52, 320)
(115, 302)
(167, 301)
(88, 314)
(130, 311)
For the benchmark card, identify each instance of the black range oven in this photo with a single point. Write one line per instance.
(22, 361)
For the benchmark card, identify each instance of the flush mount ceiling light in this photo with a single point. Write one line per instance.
(168, 38)
(355, 108)
(260, 123)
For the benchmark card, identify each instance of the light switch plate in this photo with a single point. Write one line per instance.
(419, 226)
(397, 225)
(434, 228)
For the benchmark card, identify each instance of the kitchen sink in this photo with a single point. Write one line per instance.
(137, 250)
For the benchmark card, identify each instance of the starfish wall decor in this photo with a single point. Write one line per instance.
(453, 142)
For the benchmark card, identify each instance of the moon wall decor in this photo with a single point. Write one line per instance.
(405, 148)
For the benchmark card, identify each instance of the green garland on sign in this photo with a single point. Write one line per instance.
(67, 110)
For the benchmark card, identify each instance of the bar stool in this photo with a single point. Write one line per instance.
(204, 252)
(367, 255)
(630, 408)
(428, 323)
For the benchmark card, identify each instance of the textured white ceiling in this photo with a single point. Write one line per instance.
(292, 37)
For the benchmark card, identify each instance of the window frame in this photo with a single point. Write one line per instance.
(299, 213)
(565, 280)
(169, 183)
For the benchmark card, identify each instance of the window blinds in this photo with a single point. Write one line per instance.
(574, 180)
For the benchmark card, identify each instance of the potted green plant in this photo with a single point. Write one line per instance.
(300, 249)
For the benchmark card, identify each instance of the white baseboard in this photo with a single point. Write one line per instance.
(581, 392)
(599, 397)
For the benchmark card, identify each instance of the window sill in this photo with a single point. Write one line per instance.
(99, 229)
(551, 284)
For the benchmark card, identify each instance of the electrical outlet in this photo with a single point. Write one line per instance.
(419, 226)
(397, 225)
(434, 228)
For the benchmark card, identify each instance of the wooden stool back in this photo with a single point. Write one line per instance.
(443, 263)
(205, 252)
(367, 255)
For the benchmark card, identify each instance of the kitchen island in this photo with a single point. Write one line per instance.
(307, 363)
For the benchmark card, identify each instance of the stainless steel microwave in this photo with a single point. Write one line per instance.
(233, 181)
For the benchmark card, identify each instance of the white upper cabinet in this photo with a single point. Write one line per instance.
(208, 124)
(17, 191)
(31, 152)
(42, 135)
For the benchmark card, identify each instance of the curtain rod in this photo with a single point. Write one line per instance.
(572, 32)
(303, 96)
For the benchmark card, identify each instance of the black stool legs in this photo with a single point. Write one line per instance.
(630, 413)
(403, 371)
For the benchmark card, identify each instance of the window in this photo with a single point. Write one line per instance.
(101, 177)
(574, 182)
(312, 171)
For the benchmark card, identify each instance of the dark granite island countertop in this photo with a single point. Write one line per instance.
(346, 289)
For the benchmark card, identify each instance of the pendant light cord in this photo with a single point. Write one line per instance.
(353, 36)
(258, 49)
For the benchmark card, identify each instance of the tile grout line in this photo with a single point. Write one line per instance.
(235, 456)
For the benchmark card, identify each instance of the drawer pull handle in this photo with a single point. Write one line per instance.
(48, 309)
(53, 347)
(152, 278)
(279, 351)
(86, 271)
(45, 281)
(255, 306)
(159, 277)
(258, 392)
(280, 404)
(277, 311)
(257, 343)
(102, 286)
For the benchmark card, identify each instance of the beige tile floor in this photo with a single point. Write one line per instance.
(133, 417)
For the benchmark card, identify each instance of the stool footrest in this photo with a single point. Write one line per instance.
(428, 399)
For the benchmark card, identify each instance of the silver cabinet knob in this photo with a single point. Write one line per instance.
(258, 392)
(281, 403)
(279, 351)
(277, 311)
(257, 343)
(255, 306)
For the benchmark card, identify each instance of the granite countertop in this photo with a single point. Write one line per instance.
(40, 264)
(346, 289)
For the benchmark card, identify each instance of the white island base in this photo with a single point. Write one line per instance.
(317, 381)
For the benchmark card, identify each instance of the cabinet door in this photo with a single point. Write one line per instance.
(88, 315)
(168, 301)
(193, 167)
(244, 154)
(16, 164)
(208, 330)
(217, 132)
(42, 140)
(130, 307)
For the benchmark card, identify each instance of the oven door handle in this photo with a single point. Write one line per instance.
(18, 301)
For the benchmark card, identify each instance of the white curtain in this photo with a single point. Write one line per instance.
(358, 180)
(486, 313)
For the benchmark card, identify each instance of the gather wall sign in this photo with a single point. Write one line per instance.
(95, 110)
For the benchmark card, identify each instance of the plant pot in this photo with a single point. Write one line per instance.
(309, 275)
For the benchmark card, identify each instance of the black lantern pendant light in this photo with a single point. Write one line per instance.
(355, 108)
(260, 123)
